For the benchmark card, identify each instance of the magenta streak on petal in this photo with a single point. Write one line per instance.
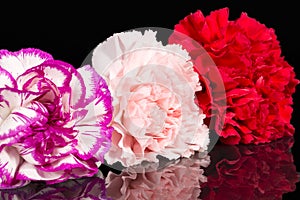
(18, 122)
(16, 119)
(48, 150)
(89, 140)
(52, 70)
(28, 81)
(67, 163)
(105, 143)
(78, 94)
(14, 184)
(6, 79)
(9, 163)
(65, 102)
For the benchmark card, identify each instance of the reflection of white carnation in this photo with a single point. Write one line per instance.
(179, 180)
(153, 88)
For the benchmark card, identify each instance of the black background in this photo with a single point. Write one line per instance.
(69, 32)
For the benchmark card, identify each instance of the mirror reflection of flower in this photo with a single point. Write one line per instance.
(250, 171)
(75, 189)
(180, 179)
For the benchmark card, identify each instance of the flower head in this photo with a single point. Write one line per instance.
(153, 88)
(54, 119)
(259, 83)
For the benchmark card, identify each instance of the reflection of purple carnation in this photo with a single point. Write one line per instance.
(77, 189)
(54, 119)
(250, 172)
(179, 180)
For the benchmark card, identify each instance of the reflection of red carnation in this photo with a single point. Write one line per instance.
(259, 83)
(249, 172)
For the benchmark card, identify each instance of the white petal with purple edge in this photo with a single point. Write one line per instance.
(28, 81)
(11, 63)
(9, 163)
(18, 62)
(59, 76)
(17, 122)
(31, 57)
(89, 140)
(6, 79)
(91, 81)
(11, 99)
(30, 172)
(98, 96)
(66, 163)
(78, 91)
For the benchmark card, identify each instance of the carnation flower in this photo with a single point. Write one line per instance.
(264, 171)
(54, 119)
(153, 88)
(179, 180)
(75, 189)
(259, 83)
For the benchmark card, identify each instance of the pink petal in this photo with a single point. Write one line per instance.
(59, 152)
(11, 99)
(29, 81)
(9, 163)
(6, 79)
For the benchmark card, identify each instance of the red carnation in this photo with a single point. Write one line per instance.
(259, 83)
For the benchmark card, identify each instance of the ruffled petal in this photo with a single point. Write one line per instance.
(6, 79)
(9, 164)
(58, 171)
(98, 97)
(90, 140)
(18, 62)
(14, 119)
(78, 88)
(31, 57)
(53, 71)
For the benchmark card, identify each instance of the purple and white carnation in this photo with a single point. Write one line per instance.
(54, 119)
